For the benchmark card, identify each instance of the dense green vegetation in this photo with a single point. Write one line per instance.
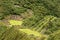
(42, 16)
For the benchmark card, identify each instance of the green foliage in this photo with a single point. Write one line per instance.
(39, 15)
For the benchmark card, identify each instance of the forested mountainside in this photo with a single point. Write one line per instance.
(29, 19)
